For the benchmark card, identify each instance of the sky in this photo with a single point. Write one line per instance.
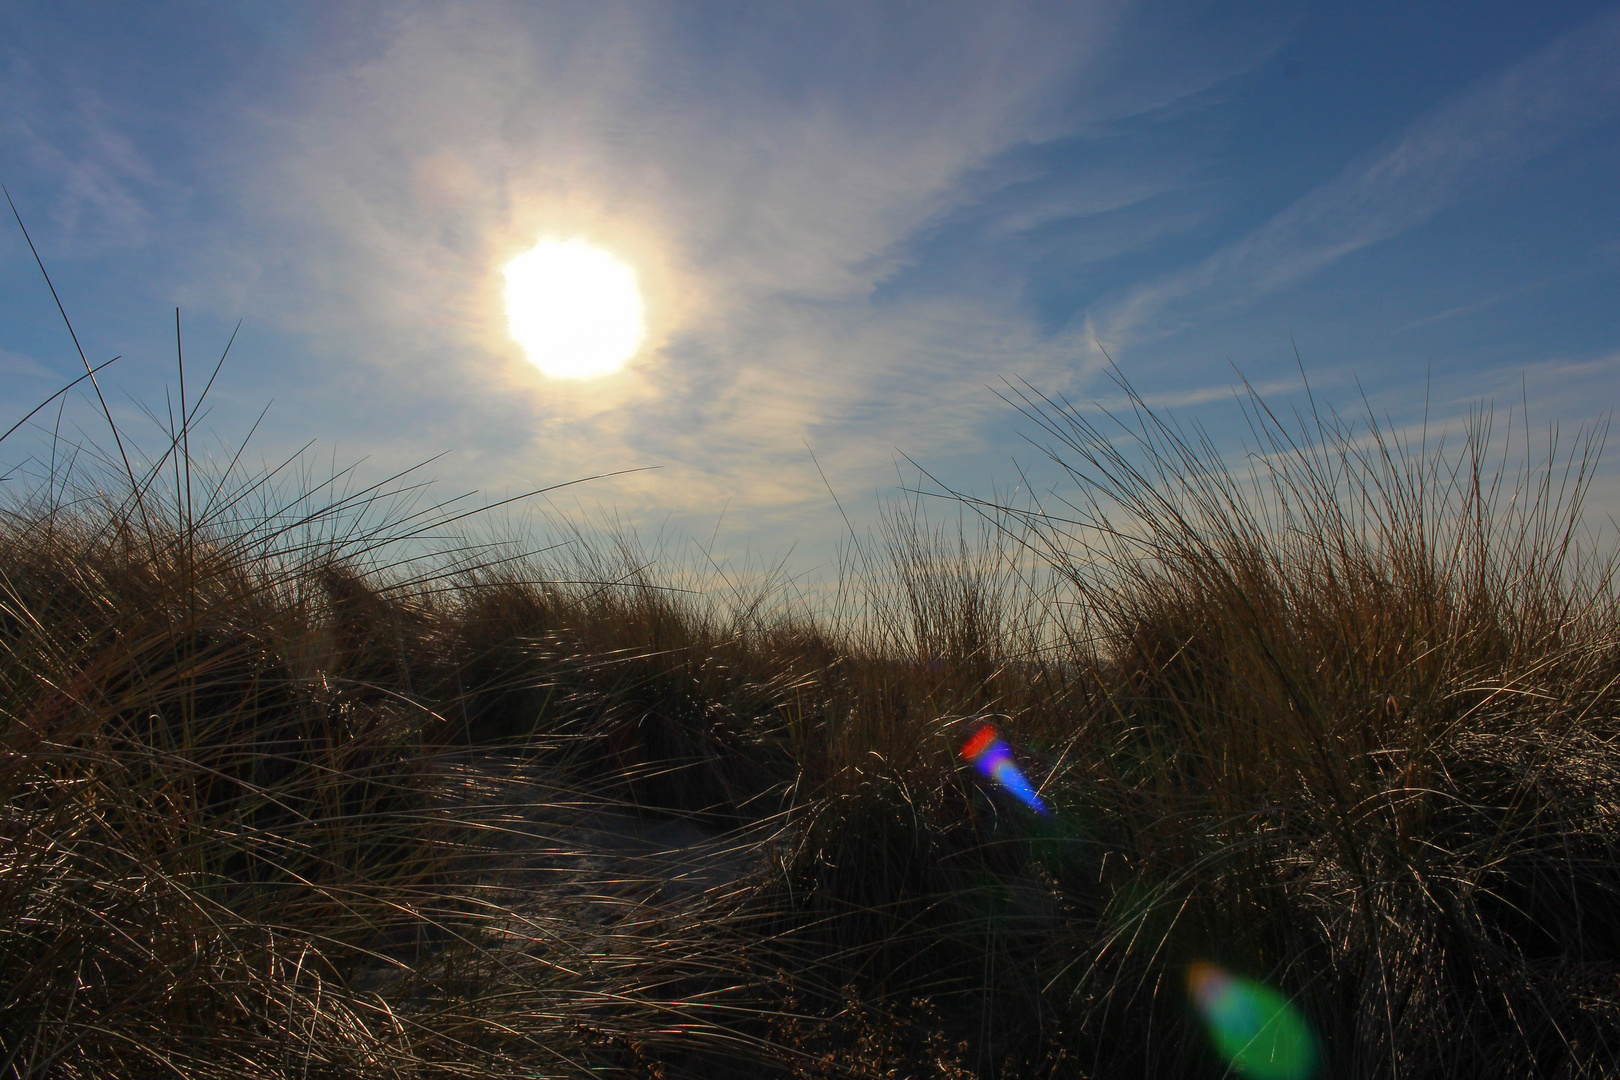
(851, 224)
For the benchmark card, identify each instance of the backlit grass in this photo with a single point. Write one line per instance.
(285, 796)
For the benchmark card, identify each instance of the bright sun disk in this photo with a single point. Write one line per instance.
(574, 308)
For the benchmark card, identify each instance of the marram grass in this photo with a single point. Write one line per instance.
(282, 801)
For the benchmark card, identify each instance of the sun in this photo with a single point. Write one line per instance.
(574, 308)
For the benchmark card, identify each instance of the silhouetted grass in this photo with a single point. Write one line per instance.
(288, 796)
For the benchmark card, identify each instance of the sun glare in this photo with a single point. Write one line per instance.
(574, 308)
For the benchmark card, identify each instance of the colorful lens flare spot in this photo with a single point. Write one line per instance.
(1254, 1027)
(993, 758)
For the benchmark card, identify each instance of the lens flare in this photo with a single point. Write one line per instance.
(1253, 1026)
(993, 758)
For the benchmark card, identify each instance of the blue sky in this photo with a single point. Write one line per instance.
(849, 221)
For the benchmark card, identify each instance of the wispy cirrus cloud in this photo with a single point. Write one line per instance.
(849, 218)
(1463, 144)
(764, 168)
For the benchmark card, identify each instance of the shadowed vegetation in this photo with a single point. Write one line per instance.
(288, 793)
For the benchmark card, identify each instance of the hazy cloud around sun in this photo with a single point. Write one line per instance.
(844, 220)
(766, 170)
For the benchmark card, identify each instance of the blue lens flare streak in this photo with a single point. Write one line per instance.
(993, 758)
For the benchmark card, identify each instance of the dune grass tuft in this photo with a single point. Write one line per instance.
(289, 793)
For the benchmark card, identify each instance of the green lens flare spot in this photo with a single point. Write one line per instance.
(1255, 1028)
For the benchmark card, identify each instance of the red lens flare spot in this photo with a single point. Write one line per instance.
(979, 743)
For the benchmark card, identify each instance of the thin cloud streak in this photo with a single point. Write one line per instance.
(850, 220)
(1456, 148)
(763, 217)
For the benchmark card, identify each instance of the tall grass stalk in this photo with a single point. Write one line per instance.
(290, 792)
